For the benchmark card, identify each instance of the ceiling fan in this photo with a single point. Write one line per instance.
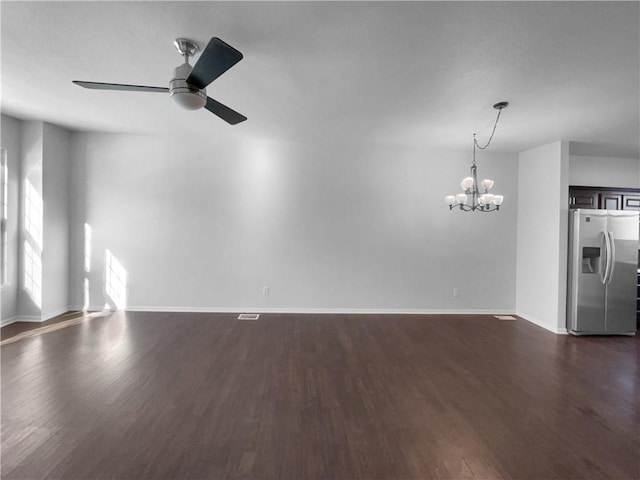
(188, 85)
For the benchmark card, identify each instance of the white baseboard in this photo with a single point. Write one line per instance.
(91, 308)
(80, 308)
(34, 318)
(28, 318)
(535, 321)
(8, 321)
(55, 313)
(317, 311)
(353, 311)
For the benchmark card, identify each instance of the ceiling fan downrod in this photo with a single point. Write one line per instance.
(186, 48)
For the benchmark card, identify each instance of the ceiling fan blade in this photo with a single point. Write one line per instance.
(217, 58)
(119, 86)
(224, 112)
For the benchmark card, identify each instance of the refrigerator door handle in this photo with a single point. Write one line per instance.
(611, 257)
(607, 257)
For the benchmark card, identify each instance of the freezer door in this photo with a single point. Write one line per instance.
(621, 284)
(587, 266)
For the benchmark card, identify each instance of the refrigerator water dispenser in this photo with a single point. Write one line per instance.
(590, 260)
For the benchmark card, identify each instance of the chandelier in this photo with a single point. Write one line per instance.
(475, 196)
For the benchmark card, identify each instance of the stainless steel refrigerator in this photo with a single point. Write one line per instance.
(603, 263)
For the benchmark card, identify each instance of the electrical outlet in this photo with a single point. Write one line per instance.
(456, 292)
(265, 290)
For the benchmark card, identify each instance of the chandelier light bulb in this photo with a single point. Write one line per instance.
(487, 184)
(498, 199)
(450, 199)
(466, 183)
(461, 198)
(488, 198)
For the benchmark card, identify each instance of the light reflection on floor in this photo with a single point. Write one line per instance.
(77, 318)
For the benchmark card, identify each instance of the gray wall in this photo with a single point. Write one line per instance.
(542, 235)
(604, 171)
(204, 226)
(199, 225)
(55, 254)
(10, 138)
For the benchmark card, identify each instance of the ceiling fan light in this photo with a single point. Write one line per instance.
(184, 94)
(189, 99)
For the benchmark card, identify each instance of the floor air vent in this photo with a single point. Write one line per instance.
(505, 317)
(249, 316)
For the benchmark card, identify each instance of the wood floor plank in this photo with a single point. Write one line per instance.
(204, 396)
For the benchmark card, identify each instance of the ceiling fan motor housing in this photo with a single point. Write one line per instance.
(184, 94)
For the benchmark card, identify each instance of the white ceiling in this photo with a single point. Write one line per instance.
(415, 74)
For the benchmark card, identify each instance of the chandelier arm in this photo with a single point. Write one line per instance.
(492, 209)
(463, 206)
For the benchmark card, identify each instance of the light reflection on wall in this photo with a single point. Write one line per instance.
(5, 217)
(115, 281)
(33, 220)
(87, 267)
(33, 224)
(261, 177)
(260, 165)
(87, 247)
(33, 274)
(86, 295)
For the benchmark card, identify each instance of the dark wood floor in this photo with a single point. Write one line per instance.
(188, 396)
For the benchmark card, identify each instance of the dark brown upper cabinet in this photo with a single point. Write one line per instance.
(604, 198)
(582, 198)
(631, 201)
